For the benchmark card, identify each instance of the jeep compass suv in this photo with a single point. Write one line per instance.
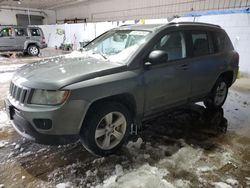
(121, 78)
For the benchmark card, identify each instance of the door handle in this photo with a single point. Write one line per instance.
(27, 37)
(11, 38)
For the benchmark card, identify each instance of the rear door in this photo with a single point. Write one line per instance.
(205, 64)
(21, 36)
(7, 40)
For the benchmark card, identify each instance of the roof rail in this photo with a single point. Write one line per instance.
(195, 23)
(7, 25)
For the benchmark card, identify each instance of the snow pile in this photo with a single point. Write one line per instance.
(182, 184)
(64, 185)
(136, 145)
(146, 176)
(10, 68)
(75, 54)
(205, 169)
(4, 120)
(3, 143)
(183, 160)
(247, 180)
(221, 185)
(232, 182)
(5, 77)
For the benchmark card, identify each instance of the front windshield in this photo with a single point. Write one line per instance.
(117, 45)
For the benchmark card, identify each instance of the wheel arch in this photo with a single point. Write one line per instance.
(228, 77)
(26, 46)
(125, 99)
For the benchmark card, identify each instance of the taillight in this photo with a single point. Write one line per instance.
(43, 40)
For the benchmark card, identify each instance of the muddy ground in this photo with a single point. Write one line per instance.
(189, 147)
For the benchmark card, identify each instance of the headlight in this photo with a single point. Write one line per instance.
(46, 97)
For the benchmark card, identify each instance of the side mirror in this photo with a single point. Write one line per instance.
(157, 57)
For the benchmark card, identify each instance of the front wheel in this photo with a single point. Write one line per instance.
(106, 128)
(218, 95)
(33, 50)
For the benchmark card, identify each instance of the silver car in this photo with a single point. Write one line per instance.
(24, 39)
(122, 78)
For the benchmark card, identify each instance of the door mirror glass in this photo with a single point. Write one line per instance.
(158, 57)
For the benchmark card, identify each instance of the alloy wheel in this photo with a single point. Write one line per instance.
(110, 130)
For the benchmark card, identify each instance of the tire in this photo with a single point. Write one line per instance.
(110, 136)
(218, 95)
(33, 50)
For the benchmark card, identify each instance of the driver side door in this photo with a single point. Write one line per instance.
(168, 84)
(7, 40)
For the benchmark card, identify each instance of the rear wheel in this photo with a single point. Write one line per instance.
(218, 95)
(33, 50)
(106, 128)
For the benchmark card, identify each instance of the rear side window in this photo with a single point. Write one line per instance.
(200, 42)
(222, 42)
(19, 32)
(35, 32)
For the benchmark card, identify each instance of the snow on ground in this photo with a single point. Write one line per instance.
(146, 176)
(2, 58)
(7, 71)
(64, 185)
(160, 175)
(10, 68)
(4, 120)
(5, 77)
(3, 143)
(221, 185)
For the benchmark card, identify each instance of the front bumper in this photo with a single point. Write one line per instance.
(66, 121)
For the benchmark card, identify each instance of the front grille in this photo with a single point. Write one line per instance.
(18, 93)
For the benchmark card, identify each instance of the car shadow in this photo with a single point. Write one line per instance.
(193, 124)
(162, 137)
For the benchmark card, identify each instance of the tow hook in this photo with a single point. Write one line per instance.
(133, 129)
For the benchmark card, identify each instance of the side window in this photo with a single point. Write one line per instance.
(35, 32)
(200, 43)
(20, 32)
(222, 42)
(6, 32)
(173, 44)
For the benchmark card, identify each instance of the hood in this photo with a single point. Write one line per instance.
(55, 73)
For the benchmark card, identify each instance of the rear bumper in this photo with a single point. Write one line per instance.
(235, 75)
(43, 46)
